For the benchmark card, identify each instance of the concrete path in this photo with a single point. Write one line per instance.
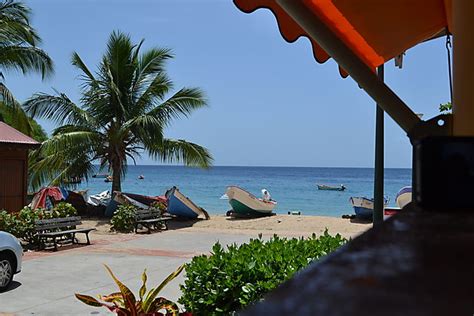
(48, 281)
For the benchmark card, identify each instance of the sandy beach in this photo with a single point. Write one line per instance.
(283, 225)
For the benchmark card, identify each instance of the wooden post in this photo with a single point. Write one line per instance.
(379, 160)
(463, 67)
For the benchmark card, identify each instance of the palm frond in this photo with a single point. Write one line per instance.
(182, 103)
(181, 151)
(26, 59)
(58, 108)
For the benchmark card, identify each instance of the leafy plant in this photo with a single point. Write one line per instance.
(125, 303)
(123, 219)
(230, 279)
(446, 107)
(22, 224)
(64, 209)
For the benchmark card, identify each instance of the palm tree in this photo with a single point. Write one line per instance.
(19, 52)
(124, 109)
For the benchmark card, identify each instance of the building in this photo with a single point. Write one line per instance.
(14, 147)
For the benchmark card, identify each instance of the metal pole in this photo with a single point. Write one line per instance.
(379, 160)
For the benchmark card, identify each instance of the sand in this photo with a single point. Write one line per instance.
(283, 225)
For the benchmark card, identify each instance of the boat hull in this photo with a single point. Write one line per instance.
(364, 207)
(244, 203)
(404, 196)
(329, 188)
(180, 205)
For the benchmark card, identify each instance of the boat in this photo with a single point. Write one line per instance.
(331, 188)
(364, 207)
(141, 177)
(138, 200)
(404, 196)
(181, 206)
(100, 175)
(102, 198)
(245, 204)
(108, 179)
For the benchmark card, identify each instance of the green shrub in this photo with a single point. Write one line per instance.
(22, 224)
(228, 280)
(124, 218)
(64, 209)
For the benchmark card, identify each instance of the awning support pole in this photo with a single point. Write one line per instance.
(379, 160)
(357, 69)
(463, 68)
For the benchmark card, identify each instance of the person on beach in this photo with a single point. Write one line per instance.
(266, 195)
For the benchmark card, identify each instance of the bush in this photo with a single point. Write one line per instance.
(124, 218)
(228, 280)
(22, 224)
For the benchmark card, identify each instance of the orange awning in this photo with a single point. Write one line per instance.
(375, 30)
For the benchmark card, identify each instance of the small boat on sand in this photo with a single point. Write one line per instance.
(138, 200)
(245, 204)
(182, 206)
(364, 207)
(404, 196)
(331, 188)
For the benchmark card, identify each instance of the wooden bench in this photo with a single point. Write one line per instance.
(60, 227)
(150, 219)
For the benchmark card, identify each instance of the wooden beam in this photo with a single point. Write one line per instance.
(351, 63)
(463, 68)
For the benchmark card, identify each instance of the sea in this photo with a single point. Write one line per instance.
(294, 188)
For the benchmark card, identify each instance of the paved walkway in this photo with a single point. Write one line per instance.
(47, 284)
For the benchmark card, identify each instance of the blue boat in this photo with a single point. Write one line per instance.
(181, 206)
(364, 207)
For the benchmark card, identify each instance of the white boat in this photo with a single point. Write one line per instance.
(364, 207)
(102, 198)
(404, 196)
(244, 203)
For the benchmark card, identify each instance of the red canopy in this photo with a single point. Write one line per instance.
(375, 30)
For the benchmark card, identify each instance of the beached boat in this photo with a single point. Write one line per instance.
(364, 207)
(244, 203)
(138, 200)
(403, 197)
(331, 188)
(182, 206)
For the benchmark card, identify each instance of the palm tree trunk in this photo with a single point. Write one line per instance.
(116, 178)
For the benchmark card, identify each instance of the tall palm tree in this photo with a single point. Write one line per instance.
(124, 109)
(19, 52)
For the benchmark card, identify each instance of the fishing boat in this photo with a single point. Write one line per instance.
(138, 200)
(100, 175)
(182, 206)
(403, 197)
(364, 207)
(244, 203)
(331, 188)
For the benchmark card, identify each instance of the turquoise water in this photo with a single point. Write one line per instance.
(292, 188)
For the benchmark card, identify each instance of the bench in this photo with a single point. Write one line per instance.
(150, 219)
(60, 227)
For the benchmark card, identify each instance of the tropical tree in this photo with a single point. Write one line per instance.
(126, 105)
(19, 52)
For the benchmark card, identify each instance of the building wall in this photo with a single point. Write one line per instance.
(13, 178)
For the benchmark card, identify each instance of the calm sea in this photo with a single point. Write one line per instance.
(293, 188)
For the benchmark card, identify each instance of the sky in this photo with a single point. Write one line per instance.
(270, 102)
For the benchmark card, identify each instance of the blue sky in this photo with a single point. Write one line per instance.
(270, 102)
